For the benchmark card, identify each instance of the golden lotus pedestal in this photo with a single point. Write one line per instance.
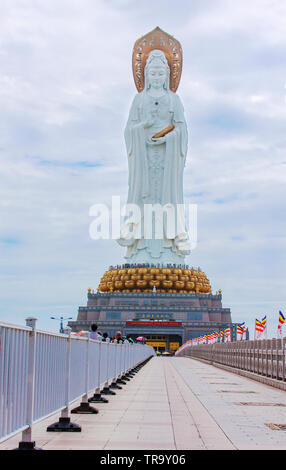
(165, 280)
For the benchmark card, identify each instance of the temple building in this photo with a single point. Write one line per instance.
(173, 305)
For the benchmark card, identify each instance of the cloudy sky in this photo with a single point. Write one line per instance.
(65, 90)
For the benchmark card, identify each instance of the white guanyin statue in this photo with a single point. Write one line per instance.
(156, 167)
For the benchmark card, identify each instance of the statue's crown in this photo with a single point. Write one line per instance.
(157, 59)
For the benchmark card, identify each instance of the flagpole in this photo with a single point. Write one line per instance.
(277, 350)
(283, 358)
(265, 331)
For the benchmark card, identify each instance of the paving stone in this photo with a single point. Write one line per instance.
(171, 404)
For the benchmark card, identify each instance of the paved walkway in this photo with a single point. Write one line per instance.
(177, 403)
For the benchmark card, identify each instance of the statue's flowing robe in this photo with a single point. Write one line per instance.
(171, 188)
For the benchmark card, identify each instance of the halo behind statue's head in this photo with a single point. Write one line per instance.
(157, 40)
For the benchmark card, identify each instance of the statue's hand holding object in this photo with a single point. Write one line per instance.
(159, 141)
(163, 132)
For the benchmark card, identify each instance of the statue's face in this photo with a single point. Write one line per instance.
(157, 77)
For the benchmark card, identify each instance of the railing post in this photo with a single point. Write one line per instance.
(84, 407)
(277, 358)
(65, 411)
(258, 356)
(64, 424)
(114, 381)
(106, 389)
(131, 373)
(125, 363)
(266, 357)
(27, 443)
(97, 398)
(120, 375)
(272, 358)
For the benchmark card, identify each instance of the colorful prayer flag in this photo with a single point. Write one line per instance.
(258, 326)
(263, 322)
(281, 320)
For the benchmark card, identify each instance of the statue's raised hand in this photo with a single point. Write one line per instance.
(149, 122)
(150, 119)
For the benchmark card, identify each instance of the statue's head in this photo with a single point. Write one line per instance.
(157, 71)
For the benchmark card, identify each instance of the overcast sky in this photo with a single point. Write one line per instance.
(66, 86)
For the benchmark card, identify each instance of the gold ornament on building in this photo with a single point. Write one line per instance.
(159, 40)
(170, 280)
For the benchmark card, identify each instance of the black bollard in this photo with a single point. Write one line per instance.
(85, 408)
(97, 398)
(64, 425)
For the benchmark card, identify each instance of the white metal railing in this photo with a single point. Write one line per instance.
(42, 373)
(265, 357)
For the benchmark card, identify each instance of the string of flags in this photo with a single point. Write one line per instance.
(224, 336)
(212, 338)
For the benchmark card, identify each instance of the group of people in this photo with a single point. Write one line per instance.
(150, 265)
(118, 338)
